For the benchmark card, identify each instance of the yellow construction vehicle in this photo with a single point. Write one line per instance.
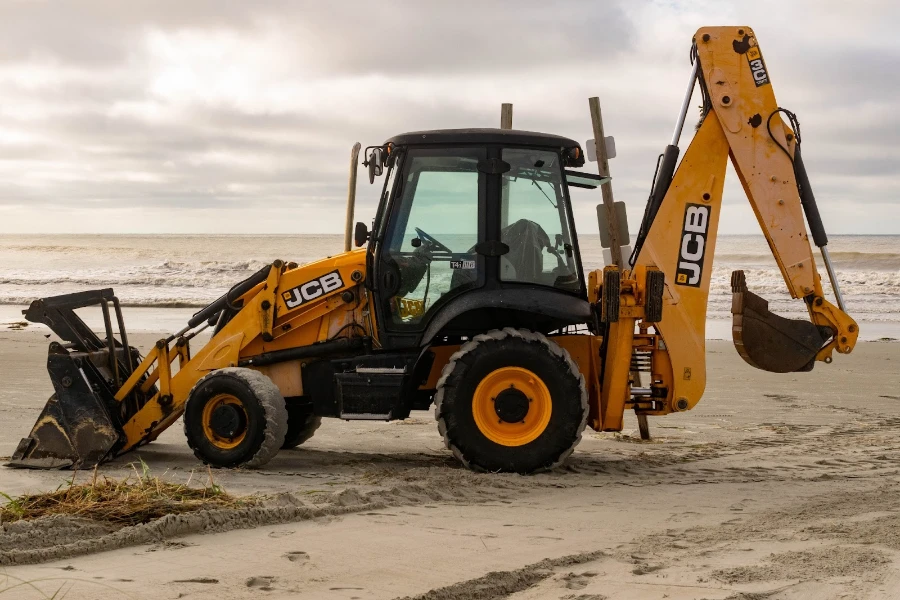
(468, 294)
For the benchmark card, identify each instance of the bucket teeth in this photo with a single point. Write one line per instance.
(738, 282)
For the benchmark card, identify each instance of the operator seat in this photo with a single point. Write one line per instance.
(527, 241)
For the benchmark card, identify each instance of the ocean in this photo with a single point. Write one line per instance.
(185, 272)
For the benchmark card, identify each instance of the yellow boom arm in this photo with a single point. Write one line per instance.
(742, 120)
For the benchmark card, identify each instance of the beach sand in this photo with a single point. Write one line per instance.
(775, 486)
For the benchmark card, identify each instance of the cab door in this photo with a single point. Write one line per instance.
(425, 254)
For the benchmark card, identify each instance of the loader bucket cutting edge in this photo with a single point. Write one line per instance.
(768, 341)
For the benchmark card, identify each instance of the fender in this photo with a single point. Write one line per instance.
(539, 301)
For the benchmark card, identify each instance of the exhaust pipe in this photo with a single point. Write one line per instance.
(351, 196)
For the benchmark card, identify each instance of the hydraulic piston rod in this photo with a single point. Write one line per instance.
(833, 277)
(682, 115)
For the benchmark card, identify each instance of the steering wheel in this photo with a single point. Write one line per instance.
(432, 241)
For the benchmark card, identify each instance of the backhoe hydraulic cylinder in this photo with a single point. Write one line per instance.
(679, 125)
(808, 200)
(820, 238)
(663, 179)
(670, 156)
(833, 277)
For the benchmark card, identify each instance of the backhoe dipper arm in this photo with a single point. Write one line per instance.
(742, 120)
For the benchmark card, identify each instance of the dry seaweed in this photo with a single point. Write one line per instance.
(130, 501)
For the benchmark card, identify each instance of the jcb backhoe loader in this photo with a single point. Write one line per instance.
(468, 294)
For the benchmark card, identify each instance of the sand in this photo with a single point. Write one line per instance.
(775, 486)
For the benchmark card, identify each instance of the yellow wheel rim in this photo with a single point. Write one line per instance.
(505, 395)
(223, 443)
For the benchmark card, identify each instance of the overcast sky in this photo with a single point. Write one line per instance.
(238, 117)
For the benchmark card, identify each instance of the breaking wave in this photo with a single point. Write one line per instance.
(192, 271)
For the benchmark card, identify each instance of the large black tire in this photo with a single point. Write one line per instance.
(502, 351)
(254, 416)
(302, 425)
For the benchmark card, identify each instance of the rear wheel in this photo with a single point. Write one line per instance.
(302, 425)
(235, 417)
(511, 400)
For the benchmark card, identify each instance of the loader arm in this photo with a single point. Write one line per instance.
(742, 121)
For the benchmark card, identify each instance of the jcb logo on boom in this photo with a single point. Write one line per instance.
(693, 245)
(757, 67)
(311, 290)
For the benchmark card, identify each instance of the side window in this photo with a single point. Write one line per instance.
(535, 221)
(434, 228)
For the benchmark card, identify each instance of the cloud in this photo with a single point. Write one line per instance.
(239, 117)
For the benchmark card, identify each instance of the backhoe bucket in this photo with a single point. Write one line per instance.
(768, 341)
(80, 425)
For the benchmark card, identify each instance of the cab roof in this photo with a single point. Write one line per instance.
(482, 136)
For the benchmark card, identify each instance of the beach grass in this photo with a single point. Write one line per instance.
(136, 499)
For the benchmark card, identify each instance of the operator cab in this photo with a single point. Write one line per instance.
(474, 231)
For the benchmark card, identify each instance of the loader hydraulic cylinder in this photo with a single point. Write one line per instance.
(230, 296)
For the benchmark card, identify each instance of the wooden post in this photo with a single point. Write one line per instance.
(615, 250)
(506, 116)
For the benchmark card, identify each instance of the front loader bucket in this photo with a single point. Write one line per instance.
(74, 429)
(768, 341)
(80, 425)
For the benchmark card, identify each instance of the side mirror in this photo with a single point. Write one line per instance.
(375, 162)
(361, 233)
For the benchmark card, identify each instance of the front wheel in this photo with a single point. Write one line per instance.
(511, 400)
(235, 417)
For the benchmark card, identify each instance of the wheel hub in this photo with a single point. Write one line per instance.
(511, 405)
(227, 420)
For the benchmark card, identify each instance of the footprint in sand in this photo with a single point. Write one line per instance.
(261, 582)
(280, 534)
(297, 556)
(577, 581)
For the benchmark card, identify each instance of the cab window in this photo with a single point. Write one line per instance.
(535, 224)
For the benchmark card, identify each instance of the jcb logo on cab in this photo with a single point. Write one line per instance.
(311, 290)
